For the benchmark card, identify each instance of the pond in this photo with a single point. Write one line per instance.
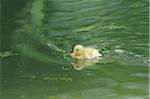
(39, 35)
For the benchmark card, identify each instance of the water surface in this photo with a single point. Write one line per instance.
(39, 35)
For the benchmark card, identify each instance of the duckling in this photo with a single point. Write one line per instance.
(81, 52)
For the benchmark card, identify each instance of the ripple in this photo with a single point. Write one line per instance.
(146, 75)
(131, 85)
(98, 92)
(119, 51)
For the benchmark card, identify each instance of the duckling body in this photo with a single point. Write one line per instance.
(81, 52)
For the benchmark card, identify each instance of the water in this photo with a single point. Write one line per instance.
(38, 36)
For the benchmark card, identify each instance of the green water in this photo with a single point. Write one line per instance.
(38, 36)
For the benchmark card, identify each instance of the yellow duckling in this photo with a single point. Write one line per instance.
(81, 52)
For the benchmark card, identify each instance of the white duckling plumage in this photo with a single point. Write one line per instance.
(81, 52)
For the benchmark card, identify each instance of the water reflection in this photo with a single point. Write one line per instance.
(81, 64)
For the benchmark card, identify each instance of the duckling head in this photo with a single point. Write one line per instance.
(78, 48)
(77, 52)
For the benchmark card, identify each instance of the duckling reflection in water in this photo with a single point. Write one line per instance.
(84, 56)
(81, 64)
(80, 52)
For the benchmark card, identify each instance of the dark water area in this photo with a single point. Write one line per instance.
(38, 36)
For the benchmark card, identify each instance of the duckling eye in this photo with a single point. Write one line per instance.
(77, 49)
